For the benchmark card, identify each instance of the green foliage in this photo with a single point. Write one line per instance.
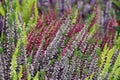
(29, 59)
(92, 30)
(2, 12)
(118, 16)
(88, 21)
(99, 42)
(24, 35)
(35, 11)
(65, 31)
(37, 76)
(16, 4)
(19, 30)
(89, 58)
(117, 74)
(117, 39)
(13, 73)
(66, 41)
(1, 50)
(7, 2)
(78, 54)
(112, 12)
(107, 64)
(11, 18)
(114, 72)
(16, 16)
(103, 55)
(86, 71)
(20, 73)
(33, 20)
(11, 40)
(74, 16)
(90, 77)
(117, 3)
(98, 51)
(98, 61)
(42, 74)
(26, 9)
(67, 61)
(117, 29)
(29, 76)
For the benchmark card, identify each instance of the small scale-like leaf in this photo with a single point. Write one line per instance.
(1, 50)
(11, 40)
(89, 58)
(99, 42)
(85, 71)
(20, 73)
(64, 32)
(30, 59)
(19, 30)
(98, 51)
(67, 61)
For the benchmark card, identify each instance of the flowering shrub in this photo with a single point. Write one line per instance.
(46, 47)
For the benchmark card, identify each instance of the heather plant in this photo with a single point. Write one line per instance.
(66, 62)
(44, 47)
(11, 33)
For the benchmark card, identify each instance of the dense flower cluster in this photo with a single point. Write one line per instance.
(68, 48)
